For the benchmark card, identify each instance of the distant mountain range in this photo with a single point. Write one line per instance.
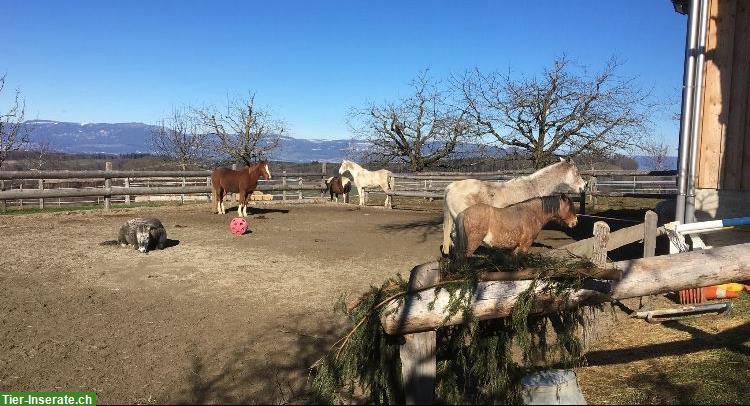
(123, 138)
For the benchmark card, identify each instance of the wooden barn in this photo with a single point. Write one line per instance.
(714, 164)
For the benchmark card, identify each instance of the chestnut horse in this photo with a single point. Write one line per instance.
(513, 227)
(244, 182)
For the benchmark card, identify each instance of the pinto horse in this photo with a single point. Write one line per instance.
(244, 182)
(339, 185)
(514, 227)
(364, 178)
(561, 177)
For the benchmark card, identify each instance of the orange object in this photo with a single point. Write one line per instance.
(719, 292)
(691, 296)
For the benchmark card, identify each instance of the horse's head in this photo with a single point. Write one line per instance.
(264, 171)
(345, 166)
(566, 211)
(571, 177)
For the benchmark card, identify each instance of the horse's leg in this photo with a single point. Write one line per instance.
(214, 201)
(220, 200)
(242, 212)
(447, 230)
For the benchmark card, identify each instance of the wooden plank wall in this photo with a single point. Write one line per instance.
(724, 151)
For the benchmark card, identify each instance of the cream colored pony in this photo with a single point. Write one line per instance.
(561, 177)
(364, 178)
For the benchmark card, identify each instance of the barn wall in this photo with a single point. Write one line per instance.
(724, 150)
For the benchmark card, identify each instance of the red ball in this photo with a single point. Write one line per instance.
(238, 226)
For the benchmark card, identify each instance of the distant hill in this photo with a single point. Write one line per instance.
(129, 138)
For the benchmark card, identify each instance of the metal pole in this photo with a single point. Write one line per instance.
(695, 129)
(686, 111)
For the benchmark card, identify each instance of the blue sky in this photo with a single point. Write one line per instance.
(310, 61)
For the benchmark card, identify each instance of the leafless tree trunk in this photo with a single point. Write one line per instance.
(418, 130)
(657, 153)
(180, 139)
(13, 133)
(42, 153)
(243, 132)
(563, 112)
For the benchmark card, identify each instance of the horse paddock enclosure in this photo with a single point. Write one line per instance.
(218, 318)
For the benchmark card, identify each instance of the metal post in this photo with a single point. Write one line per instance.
(686, 111)
(697, 113)
(107, 186)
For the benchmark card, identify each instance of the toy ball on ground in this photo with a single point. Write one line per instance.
(238, 226)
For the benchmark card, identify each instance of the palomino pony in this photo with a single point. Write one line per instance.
(244, 182)
(514, 227)
(339, 185)
(561, 177)
(364, 178)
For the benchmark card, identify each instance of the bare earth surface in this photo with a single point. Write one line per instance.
(217, 318)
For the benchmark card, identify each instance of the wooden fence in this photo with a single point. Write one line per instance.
(612, 183)
(40, 188)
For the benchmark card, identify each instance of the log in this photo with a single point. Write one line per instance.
(10, 175)
(641, 277)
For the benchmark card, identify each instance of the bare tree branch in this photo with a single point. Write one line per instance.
(243, 132)
(179, 138)
(418, 130)
(564, 111)
(13, 133)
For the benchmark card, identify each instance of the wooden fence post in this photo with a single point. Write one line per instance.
(391, 188)
(234, 196)
(324, 171)
(418, 353)
(283, 186)
(601, 238)
(2, 202)
(107, 186)
(208, 183)
(593, 189)
(127, 184)
(20, 201)
(182, 196)
(649, 234)
(299, 192)
(41, 199)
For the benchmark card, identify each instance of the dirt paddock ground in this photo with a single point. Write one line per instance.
(214, 318)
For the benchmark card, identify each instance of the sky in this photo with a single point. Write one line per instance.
(309, 62)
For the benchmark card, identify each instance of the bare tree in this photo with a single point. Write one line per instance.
(13, 133)
(418, 130)
(657, 154)
(565, 111)
(243, 132)
(42, 152)
(180, 139)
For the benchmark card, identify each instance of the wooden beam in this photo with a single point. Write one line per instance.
(717, 87)
(641, 277)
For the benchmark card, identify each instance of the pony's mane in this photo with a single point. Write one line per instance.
(550, 204)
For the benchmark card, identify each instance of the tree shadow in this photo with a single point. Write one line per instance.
(732, 340)
(278, 377)
(427, 226)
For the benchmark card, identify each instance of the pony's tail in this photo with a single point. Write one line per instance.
(460, 243)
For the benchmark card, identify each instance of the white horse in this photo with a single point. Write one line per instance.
(364, 178)
(561, 177)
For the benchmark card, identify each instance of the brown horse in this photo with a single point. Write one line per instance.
(339, 185)
(244, 182)
(514, 227)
